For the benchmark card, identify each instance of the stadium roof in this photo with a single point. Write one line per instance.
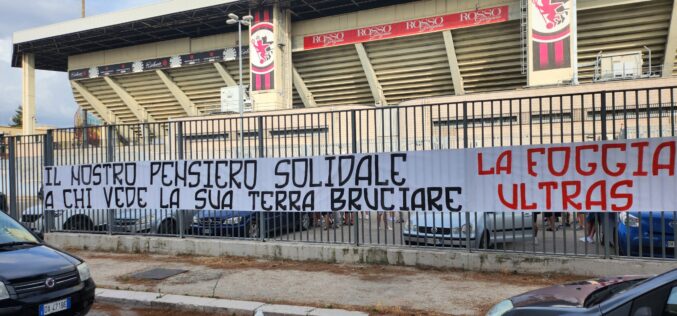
(52, 44)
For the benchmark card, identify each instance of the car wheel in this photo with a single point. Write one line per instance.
(484, 240)
(304, 223)
(253, 230)
(168, 227)
(79, 223)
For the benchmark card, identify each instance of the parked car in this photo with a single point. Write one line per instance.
(36, 279)
(657, 230)
(75, 220)
(153, 221)
(246, 223)
(610, 296)
(451, 229)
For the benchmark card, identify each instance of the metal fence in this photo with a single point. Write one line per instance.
(582, 117)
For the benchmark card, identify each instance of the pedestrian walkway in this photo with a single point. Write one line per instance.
(214, 306)
(368, 288)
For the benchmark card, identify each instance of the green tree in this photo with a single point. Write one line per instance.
(17, 119)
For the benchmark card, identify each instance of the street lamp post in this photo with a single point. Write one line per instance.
(246, 20)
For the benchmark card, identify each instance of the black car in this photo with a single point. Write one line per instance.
(36, 279)
(609, 296)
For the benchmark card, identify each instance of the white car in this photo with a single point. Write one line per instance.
(70, 220)
(453, 229)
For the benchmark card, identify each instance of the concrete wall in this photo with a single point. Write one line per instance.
(424, 258)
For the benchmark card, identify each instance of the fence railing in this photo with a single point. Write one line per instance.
(582, 117)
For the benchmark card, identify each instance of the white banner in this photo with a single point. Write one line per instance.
(637, 175)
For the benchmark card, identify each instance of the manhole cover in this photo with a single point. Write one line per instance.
(157, 274)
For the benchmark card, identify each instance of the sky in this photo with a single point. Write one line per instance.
(55, 105)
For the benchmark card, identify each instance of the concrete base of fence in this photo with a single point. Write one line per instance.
(338, 253)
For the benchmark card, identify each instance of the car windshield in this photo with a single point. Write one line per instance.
(11, 232)
(602, 294)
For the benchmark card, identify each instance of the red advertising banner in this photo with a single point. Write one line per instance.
(407, 28)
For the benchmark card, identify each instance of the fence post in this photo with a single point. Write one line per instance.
(261, 154)
(605, 220)
(603, 115)
(179, 155)
(110, 157)
(13, 211)
(465, 146)
(48, 155)
(353, 150)
(179, 140)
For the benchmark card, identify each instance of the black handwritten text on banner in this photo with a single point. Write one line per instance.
(637, 175)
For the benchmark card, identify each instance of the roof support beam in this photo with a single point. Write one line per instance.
(225, 75)
(671, 44)
(28, 93)
(131, 103)
(374, 85)
(453, 63)
(98, 106)
(187, 105)
(302, 89)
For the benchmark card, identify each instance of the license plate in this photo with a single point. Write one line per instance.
(55, 307)
(206, 231)
(671, 244)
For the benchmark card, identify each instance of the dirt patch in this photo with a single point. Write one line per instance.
(128, 279)
(371, 288)
(364, 272)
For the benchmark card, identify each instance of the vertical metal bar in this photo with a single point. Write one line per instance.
(179, 155)
(353, 150)
(607, 233)
(179, 140)
(13, 209)
(465, 145)
(263, 216)
(110, 157)
(48, 156)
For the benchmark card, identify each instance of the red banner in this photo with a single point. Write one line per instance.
(407, 28)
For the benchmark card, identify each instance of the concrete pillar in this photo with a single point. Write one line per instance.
(270, 59)
(670, 44)
(453, 63)
(28, 93)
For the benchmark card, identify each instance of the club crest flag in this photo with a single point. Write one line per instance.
(550, 41)
(262, 47)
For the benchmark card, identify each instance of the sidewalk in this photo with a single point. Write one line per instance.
(367, 288)
(212, 306)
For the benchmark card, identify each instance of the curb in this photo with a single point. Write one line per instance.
(212, 305)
